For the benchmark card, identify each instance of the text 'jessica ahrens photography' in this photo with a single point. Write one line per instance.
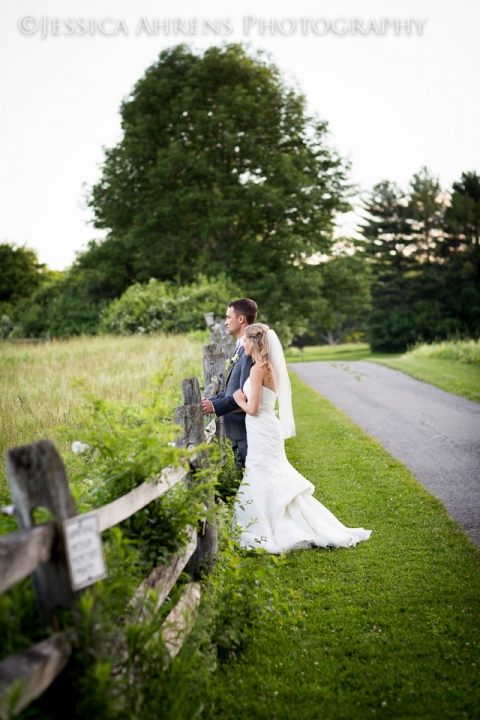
(44, 25)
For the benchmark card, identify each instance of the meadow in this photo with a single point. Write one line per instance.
(41, 386)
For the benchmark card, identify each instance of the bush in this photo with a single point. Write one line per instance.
(62, 307)
(167, 307)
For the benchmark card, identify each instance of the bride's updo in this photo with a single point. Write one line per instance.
(257, 334)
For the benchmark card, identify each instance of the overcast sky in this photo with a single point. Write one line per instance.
(398, 93)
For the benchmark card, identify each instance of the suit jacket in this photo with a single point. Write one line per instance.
(224, 404)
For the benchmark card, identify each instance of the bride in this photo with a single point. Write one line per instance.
(275, 507)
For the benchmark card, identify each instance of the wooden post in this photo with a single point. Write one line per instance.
(190, 418)
(228, 347)
(219, 335)
(214, 365)
(214, 372)
(37, 478)
(191, 391)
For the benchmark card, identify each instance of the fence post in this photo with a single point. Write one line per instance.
(190, 418)
(37, 478)
(214, 374)
(219, 334)
(191, 391)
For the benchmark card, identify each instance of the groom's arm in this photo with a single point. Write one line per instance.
(224, 405)
(219, 404)
(227, 404)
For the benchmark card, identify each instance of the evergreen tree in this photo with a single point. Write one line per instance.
(459, 256)
(388, 248)
(425, 257)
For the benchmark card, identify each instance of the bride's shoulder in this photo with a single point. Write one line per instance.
(257, 373)
(257, 370)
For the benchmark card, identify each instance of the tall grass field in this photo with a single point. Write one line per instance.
(39, 384)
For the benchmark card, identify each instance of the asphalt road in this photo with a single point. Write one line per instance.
(436, 434)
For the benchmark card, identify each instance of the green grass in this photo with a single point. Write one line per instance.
(466, 351)
(389, 629)
(451, 366)
(353, 351)
(36, 392)
(449, 375)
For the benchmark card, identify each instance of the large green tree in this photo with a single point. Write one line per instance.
(220, 169)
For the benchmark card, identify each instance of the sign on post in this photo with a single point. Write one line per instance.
(83, 541)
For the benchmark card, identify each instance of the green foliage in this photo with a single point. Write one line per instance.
(6, 322)
(120, 668)
(425, 257)
(220, 170)
(127, 446)
(228, 479)
(242, 595)
(339, 298)
(20, 272)
(163, 306)
(63, 307)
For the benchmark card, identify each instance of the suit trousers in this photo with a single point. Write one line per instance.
(239, 448)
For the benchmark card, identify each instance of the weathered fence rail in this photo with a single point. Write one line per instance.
(37, 478)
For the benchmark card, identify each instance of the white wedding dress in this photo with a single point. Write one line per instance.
(274, 508)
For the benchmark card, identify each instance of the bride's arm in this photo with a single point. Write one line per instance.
(253, 405)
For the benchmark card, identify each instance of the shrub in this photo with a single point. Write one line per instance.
(167, 307)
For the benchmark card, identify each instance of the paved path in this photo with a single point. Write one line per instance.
(436, 434)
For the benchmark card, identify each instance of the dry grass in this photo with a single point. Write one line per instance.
(36, 382)
(467, 351)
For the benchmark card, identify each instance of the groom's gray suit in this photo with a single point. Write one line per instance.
(224, 405)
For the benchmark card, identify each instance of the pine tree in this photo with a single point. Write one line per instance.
(388, 249)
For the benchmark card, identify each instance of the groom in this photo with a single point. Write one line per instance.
(240, 314)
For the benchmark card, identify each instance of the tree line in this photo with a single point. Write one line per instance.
(223, 184)
(423, 247)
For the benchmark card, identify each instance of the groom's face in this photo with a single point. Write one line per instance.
(233, 322)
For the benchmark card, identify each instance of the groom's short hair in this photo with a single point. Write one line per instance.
(245, 307)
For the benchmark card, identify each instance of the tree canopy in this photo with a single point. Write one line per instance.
(220, 169)
(21, 274)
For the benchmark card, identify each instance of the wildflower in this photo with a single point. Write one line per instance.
(79, 447)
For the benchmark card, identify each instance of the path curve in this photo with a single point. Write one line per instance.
(436, 434)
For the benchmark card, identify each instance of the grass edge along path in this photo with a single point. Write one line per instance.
(453, 376)
(389, 629)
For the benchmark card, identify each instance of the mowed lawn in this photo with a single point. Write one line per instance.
(389, 629)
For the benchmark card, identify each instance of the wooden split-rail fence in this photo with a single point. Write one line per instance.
(37, 478)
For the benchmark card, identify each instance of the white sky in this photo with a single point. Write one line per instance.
(394, 103)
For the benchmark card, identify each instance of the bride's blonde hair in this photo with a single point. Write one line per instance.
(257, 334)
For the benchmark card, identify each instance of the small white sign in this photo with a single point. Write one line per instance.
(84, 550)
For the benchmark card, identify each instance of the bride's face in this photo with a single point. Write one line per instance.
(248, 346)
